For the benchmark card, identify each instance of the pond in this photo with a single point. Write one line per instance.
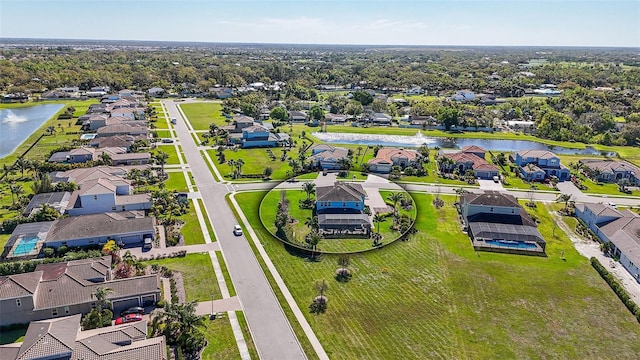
(17, 124)
(450, 143)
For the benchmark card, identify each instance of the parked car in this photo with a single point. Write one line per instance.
(148, 244)
(167, 140)
(237, 230)
(132, 310)
(496, 179)
(173, 121)
(128, 318)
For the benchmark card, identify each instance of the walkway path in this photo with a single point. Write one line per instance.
(216, 306)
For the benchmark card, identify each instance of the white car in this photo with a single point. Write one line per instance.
(237, 230)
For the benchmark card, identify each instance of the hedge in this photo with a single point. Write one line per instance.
(616, 287)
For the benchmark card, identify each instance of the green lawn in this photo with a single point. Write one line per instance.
(163, 134)
(3, 239)
(434, 297)
(171, 150)
(176, 181)
(222, 343)
(191, 229)
(212, 236)
(200, 115)
(197, 273)
(255, 161)
(225, 273)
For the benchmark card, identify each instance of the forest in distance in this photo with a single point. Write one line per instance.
(598, 100)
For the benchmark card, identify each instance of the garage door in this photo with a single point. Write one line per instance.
(119, 305)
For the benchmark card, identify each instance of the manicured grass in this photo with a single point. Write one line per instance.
(191, 230)
(163, 134)
(247, 335)
(161, 124)
(176, 181)
(255, 161)
(200, 115)
(12, 336)
(225, 272)
(3, 239)
(51, 142)
(434, 297)
(221, 344)
(171, 150)
(212, 236)
(197, 273)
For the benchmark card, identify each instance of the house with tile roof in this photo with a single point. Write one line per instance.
(122, 129)
(608, 170)
(386, 158)
(327, 157)
(124, 141)
(104, 195)
(57, 200)
(61, 289)
(495, 221)
(545, 161)
(619, 228)
(470, 158)
(62, 338)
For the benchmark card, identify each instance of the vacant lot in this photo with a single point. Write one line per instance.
(200, 115)
(433, 297)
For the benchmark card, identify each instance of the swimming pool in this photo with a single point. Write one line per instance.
(25, 246)
(88, 136)
(511, 244)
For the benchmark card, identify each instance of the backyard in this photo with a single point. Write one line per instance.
(434, 297)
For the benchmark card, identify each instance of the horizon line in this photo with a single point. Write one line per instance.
(2, 39)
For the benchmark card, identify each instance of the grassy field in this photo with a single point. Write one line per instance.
(434, 297)
(221, 342)
(171, 150)
(255, 161)
(176, 181)
(200, 115)
(191, 229)
(197, 272)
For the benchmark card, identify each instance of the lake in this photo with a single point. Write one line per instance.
(449, 143)
(17, 124)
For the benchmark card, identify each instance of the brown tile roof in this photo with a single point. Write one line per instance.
(19, 285)
(97, 225)
(473, 148)
(386, 155)
(610, 166)
(46, 338)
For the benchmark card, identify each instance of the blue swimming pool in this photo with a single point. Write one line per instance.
(25, 246)
(511, 244)
(88, 136)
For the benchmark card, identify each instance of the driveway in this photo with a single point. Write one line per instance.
(490, 185)
(567, 187)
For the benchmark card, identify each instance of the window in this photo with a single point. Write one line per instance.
(54, 312)
(18, 302)
(491, 210)
(344, 204)
(93, 305)
(66, 310)
(95, 197)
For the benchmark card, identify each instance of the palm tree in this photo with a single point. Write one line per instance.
(295, 166)
(16, 190)
(460, 192)
(312, 222)
(239, 164)
(395, 197)
(321, 286)
(106, 159)
(377, 218)
(565, 198)
(101, 295)
(161, 159)
(232, 165)
(22, 164)
(50, 130)
(308, 187)
(344, 163)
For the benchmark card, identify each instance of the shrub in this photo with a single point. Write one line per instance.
(617, 288)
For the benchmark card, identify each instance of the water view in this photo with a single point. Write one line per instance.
(17, 124)
(449, 143)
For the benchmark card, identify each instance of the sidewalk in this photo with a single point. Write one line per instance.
(200, 248)
(223, 305)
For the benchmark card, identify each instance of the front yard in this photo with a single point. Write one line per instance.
(434, 297)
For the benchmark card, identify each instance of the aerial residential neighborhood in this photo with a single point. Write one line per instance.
(262, 189)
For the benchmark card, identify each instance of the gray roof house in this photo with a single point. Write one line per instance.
(62, 338)
(496, 222)
(328, 157)
(607, 170)
(340, 210)
(620, 228)
(104, 195)
(62, 289)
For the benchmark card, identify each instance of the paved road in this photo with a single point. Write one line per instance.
(272, 333)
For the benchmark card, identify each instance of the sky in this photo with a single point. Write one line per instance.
(614, 23)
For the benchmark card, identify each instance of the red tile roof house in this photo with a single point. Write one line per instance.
(470, 158)
(61, 338)
(386, 158)
(63, 289)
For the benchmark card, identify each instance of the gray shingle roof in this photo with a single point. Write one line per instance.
(491, 198)
(58, 200)
(97, 225)
(340, 191)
